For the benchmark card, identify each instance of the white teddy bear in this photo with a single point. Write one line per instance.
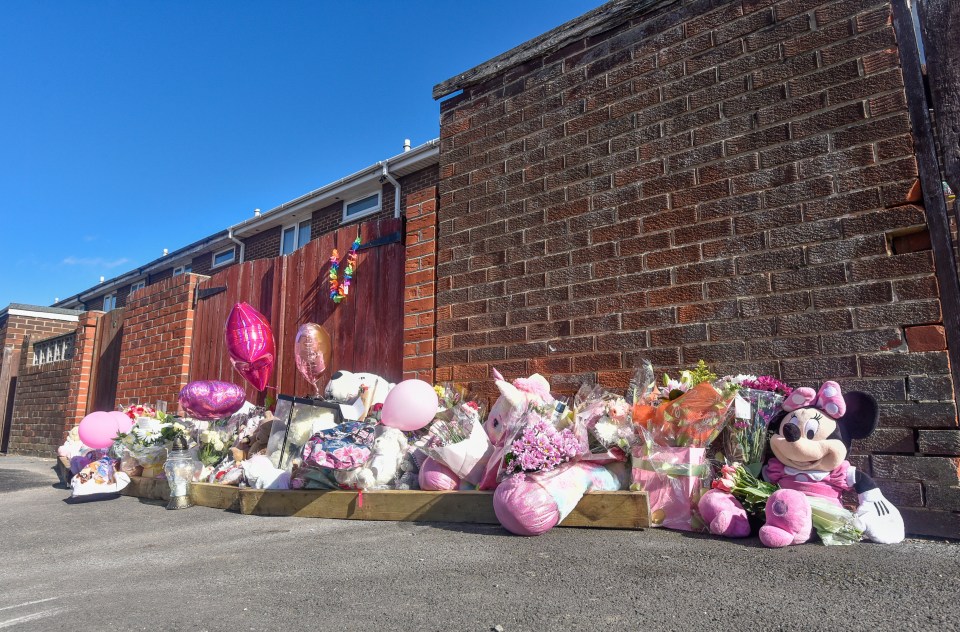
(387, 453)
(345, 387)
(260, 474)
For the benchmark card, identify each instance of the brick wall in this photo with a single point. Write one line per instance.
(728, 181)
(263, 245)
(51, 398)
(157, 332)
(202, 263)
(41, 406)
(420, 277)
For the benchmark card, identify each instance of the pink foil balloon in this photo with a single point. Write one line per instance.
(250, 345)
(97, 430)
(312, 352)
(211, 399)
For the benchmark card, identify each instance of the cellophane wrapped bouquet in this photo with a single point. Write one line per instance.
(604, 425)
(758, 400)
(147, 442)
(456, 437)
(834, 524)
(677, 422)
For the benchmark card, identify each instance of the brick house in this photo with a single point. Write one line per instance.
(368, 194)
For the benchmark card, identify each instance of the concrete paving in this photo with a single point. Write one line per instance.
(126, 564)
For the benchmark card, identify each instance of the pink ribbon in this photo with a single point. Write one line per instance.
(829, 399)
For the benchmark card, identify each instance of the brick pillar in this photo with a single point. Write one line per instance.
(81, 369)
(418, 307)
(157, 333)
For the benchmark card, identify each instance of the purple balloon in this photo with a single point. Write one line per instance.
(211, 399)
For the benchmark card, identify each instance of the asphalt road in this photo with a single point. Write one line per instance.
(125, 564)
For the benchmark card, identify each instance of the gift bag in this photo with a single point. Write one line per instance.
(99, 477)
(671, 477)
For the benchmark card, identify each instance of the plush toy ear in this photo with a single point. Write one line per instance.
(511, 393)
(774, 426)
(497, 375)
(861, 417)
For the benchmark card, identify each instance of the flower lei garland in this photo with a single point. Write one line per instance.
(339, 289)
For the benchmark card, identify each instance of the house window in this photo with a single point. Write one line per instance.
(223, 257)
(294, 237)
(362, 207)
(182, 270)
(109, 302)
(139, 285)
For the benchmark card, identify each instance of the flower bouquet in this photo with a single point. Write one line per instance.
(671, 460)
(214, 445)
(458, 441)
(545, 480)
(744, 440)
(149, 439)
(602, 422)
(834, 524)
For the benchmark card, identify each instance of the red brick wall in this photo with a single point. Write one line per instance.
(420, 277)
(41, 406)
(157, 332)
(202, 263)
(724, 183)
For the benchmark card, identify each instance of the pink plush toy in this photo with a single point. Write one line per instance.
(723, 514)
(506, 414)
(810, 440)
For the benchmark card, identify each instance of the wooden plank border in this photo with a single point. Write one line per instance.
(602, 510)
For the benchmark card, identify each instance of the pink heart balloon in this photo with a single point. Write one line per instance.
(211, 399)
(250, 344)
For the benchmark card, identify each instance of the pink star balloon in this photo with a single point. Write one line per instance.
(250, 345)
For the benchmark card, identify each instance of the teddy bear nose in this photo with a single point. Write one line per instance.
(791, 432)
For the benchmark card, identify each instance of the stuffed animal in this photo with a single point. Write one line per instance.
(346, 388)
(255, 442)
(810, 439)
(388, 451)
(260, 474)
(506, 415)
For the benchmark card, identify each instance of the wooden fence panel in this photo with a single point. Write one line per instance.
(366, 329)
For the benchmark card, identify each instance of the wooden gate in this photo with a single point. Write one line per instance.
(366, 328)
(106, 362)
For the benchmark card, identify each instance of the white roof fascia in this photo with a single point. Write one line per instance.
(48, 316)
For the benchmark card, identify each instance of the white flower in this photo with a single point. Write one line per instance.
(605, 431)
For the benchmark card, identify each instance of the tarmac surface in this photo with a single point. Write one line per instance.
(127, 564)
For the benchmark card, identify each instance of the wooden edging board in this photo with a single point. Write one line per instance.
(605, 510)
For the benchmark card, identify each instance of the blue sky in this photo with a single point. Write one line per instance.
(130, 127)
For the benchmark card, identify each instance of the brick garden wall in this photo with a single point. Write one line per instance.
(728, 181)
(155, 351)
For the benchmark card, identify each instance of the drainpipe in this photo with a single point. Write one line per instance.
(242, 245)
(396, 191)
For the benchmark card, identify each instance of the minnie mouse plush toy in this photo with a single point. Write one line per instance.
(810, 440)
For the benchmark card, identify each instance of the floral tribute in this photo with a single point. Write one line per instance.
(340, 288)
(541, 448)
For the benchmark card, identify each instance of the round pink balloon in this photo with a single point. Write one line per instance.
(410, 405)
(98, 430)
(250, 344)
(211, 399)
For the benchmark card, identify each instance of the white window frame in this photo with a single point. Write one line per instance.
(182, 269)
(139, 285)
(213, 257)
(112, 298)
(370, 211)
(296, 236)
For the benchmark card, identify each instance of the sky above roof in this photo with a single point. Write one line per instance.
(130, 127)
